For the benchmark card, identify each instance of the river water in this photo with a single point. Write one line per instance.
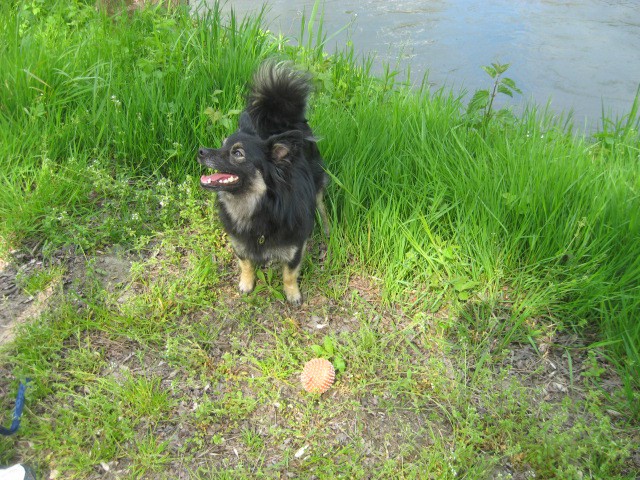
(579, 55)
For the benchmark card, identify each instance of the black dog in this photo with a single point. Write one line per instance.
(270, 177)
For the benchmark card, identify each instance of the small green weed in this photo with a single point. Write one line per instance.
(267, 283)
(329, 350)
(480, 110)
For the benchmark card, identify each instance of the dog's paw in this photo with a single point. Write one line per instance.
(295, 301)
(294, 297)
(246, 286)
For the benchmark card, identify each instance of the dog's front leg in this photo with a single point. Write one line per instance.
(290, 280)
(247, 276)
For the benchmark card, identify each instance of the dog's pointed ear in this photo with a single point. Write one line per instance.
(285, 146)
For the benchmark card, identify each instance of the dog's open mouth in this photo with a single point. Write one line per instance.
(219, 179)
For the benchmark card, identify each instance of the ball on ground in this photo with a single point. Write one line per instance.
(317, 375)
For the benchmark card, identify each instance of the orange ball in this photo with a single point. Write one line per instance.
(317, 375)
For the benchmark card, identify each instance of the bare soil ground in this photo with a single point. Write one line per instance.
(381, 426)
(18, 307)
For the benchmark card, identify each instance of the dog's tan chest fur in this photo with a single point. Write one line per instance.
(242, 206)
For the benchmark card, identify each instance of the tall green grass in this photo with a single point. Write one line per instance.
(441, 210)
(77, 86)
(435, 205)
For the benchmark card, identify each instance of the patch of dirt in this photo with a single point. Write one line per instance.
(17, 307)
(559, 364)
(373, 427)
(377, 426)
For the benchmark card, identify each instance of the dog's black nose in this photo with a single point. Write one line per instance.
(203, 153)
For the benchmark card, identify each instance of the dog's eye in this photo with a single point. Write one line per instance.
(238, 153)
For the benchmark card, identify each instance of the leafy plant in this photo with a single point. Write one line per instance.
(218, 116)
(480, 109)
(328, 350)
(267, 282)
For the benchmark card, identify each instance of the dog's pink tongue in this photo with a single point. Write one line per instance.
(215, 178)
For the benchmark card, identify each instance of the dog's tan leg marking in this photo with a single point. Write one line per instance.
(290, 280)
(323, 212)
(247, 276)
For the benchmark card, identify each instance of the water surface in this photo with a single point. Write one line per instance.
(579, 55)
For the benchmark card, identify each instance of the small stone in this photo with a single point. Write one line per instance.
(301, 451)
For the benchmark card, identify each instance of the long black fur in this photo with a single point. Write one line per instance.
(278, 99)
(277, 103)
(269, 211)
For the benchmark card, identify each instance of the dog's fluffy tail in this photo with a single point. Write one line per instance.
(278, 98)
